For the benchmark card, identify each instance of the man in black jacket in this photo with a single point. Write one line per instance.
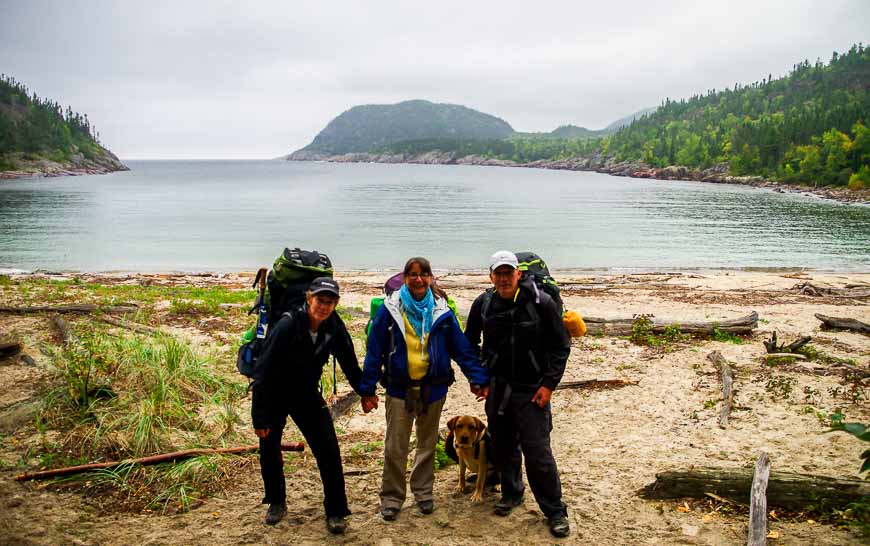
(525, 346)
(286, 379)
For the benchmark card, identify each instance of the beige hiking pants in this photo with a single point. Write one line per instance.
(396, 447)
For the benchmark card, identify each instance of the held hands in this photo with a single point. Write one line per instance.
(480, 392)
(542, 397)
(369, 403)
(262, 432)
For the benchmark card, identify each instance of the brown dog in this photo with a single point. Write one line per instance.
(469, 440)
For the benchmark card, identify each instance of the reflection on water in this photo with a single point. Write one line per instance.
(190, 215)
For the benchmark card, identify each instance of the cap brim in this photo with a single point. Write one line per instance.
(495, 266)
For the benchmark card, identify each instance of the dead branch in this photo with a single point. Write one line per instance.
(83, 309)
(727, 376)
(595, 384)
(758, 502)
(623, 326)
(843, 323)
(153, 459)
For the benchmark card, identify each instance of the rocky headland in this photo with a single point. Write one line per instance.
(77, 165)
(597, 163)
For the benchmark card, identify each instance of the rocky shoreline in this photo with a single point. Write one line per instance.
(78, 165)
(606, 165)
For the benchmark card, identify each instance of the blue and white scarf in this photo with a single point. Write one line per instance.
(419, 313)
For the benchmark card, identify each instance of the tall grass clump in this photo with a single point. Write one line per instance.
(131, 396)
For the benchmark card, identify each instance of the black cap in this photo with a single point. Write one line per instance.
(324, 284)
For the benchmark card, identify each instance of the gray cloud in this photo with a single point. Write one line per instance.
(258, 79)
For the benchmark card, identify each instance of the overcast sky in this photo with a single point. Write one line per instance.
(259, 79)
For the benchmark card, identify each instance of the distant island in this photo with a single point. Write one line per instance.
(39, 138)
(808, 129)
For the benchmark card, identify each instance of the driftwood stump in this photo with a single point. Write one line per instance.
(758, 502)
(9, 347)
(773, 347)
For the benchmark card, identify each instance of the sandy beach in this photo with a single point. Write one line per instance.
(608, 443)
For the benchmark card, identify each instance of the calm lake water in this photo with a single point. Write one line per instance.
(238, 215)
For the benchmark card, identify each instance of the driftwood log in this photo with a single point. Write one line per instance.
(595, 384)
(785, 489)
(135, 327)
(623, 327)
(81, 309)
(727, 375)
(773, 347)
(850, 291)
(758, 502)
(153, 459)
(844, 323)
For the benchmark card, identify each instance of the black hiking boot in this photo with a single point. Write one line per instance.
(336, 525)
(426, 506)
(275, 513)
(389, 514)
(504, 506)
(559, 527)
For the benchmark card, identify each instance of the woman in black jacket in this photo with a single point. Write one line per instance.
(286, 380)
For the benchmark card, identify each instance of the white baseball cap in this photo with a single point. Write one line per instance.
(503, 257)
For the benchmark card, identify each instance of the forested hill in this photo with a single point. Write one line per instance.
(37, 136)
(369, 127)
(810, 126)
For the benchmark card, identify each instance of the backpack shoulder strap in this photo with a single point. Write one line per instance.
(484, 307)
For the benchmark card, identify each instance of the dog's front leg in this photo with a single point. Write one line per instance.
(480, 484)
(461, 487)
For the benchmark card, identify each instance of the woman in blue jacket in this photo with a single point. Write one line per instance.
(413, 338)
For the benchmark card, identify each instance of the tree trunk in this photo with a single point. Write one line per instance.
(595, 384)
(623, 327)
(785, 489)
(153, 459)
(844, 323)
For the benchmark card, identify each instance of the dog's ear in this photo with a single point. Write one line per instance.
(452, 422)
(479, 424)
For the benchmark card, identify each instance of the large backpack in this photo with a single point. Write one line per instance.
(285, 289)
(534, 267)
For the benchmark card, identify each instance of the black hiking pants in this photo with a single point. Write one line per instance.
(315, 424)
(522, 431)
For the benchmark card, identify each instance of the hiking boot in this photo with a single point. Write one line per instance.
(559, 527)
(504, 506)
(275, 513)
(389, 514)
(426, 506)
(336, 525)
